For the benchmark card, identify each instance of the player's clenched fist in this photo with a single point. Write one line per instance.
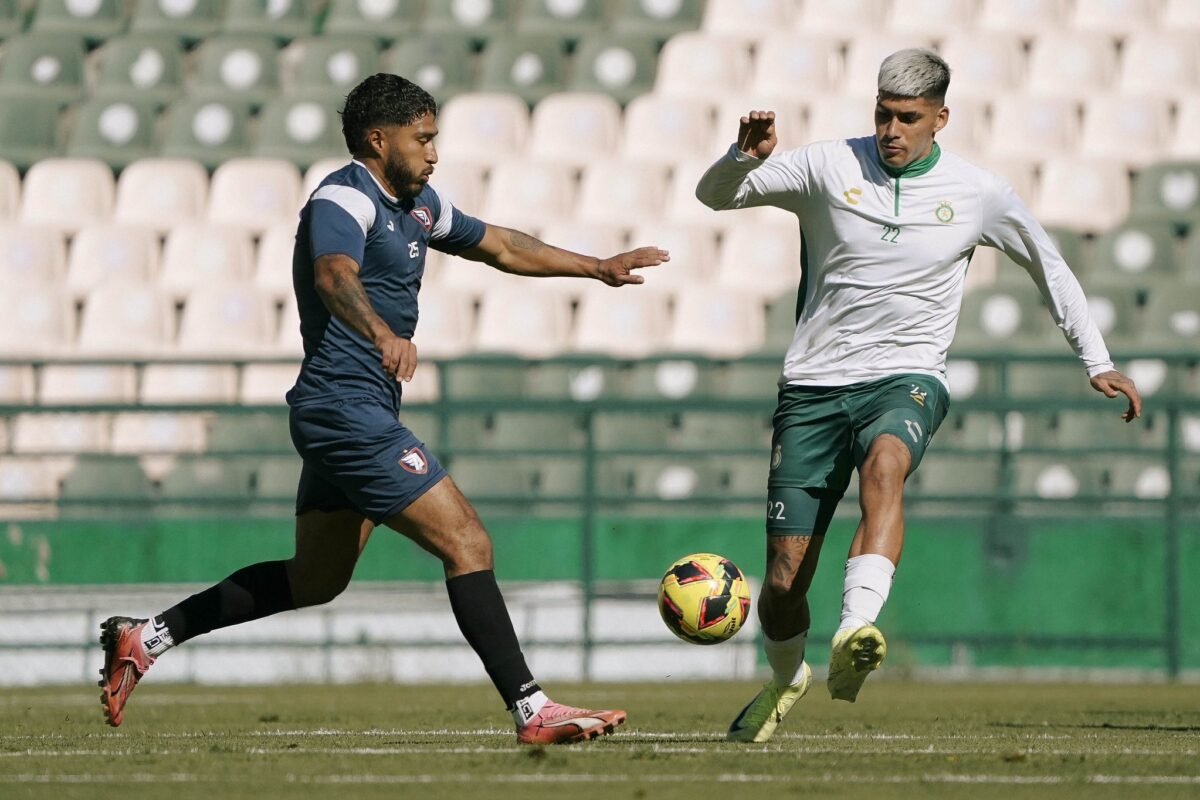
(399, 356)
(756, 134)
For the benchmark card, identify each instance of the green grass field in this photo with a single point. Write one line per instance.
(901, 740)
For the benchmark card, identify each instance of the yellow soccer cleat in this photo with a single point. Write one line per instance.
(762, 715)
(856, 654)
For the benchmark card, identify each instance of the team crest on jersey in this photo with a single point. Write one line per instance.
(423, 217)
(918, 395)
(777, 456)
(414, 461)
(944, 212)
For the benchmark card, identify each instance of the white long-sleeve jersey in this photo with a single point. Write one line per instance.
(885, 257)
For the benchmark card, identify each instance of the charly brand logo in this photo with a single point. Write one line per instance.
(944, 212)
(918, 395)
(423, 216)
(414, 461)
(777, 456)
(852, 195)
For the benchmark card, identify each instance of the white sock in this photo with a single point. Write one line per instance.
(786, 658)
(868, 582)
(528, 707)
(156, 638)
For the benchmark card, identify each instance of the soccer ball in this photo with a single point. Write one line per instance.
(704, 598)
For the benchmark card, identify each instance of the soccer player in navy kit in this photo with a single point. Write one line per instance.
(359, 257)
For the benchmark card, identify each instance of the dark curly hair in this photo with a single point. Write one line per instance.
(382, 99)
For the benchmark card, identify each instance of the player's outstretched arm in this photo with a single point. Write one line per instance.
(336, 280)
(746, 176)
(521, 254)
(1113, 384)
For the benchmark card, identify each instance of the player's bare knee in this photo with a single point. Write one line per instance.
(887, 462)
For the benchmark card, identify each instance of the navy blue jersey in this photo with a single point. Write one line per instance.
(350, 214)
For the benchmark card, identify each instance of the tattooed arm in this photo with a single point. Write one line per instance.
(521, 254)
(336, 280)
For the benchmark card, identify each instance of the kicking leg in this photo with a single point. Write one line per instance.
(442, 522)
(327, 548)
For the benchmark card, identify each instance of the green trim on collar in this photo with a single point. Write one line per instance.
(918, 167)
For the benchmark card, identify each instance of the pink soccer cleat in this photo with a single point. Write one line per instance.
(125, 662)
(559, 724)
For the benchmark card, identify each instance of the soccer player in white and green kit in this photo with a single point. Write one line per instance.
(889, 225)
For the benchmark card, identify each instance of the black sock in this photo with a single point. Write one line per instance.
(252, 592)
(483, 619)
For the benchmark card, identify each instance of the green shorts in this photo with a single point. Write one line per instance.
(822, 433)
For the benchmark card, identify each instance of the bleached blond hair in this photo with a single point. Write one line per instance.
(914, 73)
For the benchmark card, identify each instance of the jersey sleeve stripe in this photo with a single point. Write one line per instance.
(441, 227)
(352, 201)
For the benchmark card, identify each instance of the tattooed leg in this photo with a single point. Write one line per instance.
(783, 602)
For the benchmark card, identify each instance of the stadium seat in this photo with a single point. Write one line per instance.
(1018, 171)
(540, 430)
(147, 67)
(199, 254)
(207, 131)
(116, 132)
(446, 326)
(254, 193)
(105, 479)
(161, 193)
(67, 193)
(1013, 318)
(1168, 191)
(682, 206)
(784, 61)
(1158, 64)
(216, 482)
(61, 433)
(1125, 130)
(1025, 18)
(936, 18)
(302, 128)
(10, 190)
(385, 21)
(227, 319)
(615, 192)
(618, 430)
(715, 322)
(1172, 320)
(103, 253)
(707, 430)
(95, 21)
(29, 128)
(267, 384)
(125, 319)
(761, 258)
(626, 322)
(752, 19)
(321, 170)
(954, 476)
(329, 63)
(842, 115)
(790, 123)
(441, 64)
(39, 320)
(1179, 15)
(780, 320)
(588, 239)
(656, 18)
(282, 19)
(482, 128)
(574, 128)
(31, 254)
(1115, 17)
(256, 432)
(189, 383)
(861, 16)
(29, 480)
(78, 384)
(1185, 144)
(1052, 477)
(17, 387)
(476, 279)
(528, 194)
(161, 432)
(278, 478)
(569, 20)
(236, 68)
(622, 67)
(518, 322)
(972, 430)
(701, 66)
(43, 64)
(12, 17)
(693, 250)
(484, 21)
(1082, 194)
(1052, 122)
(966, 132)
(462, 184)
(273, 260)
(529, 67)
(864, 54)
(1114, 309)
(190, 21)
(1071, 65)
(984, 63)
(1137, 249)
(686, 122)
(622, 481)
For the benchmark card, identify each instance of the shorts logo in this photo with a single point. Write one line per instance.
(944, 212)
(414, 461)
(777, 456)
(422, 216)
(918, 395)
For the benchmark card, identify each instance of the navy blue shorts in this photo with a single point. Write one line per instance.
(358, 456)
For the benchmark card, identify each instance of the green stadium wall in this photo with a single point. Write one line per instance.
(960, 580)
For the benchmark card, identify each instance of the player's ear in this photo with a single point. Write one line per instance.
(376, 141)
(943, 117)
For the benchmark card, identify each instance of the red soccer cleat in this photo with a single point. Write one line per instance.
(559, 724)
(125, 662)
